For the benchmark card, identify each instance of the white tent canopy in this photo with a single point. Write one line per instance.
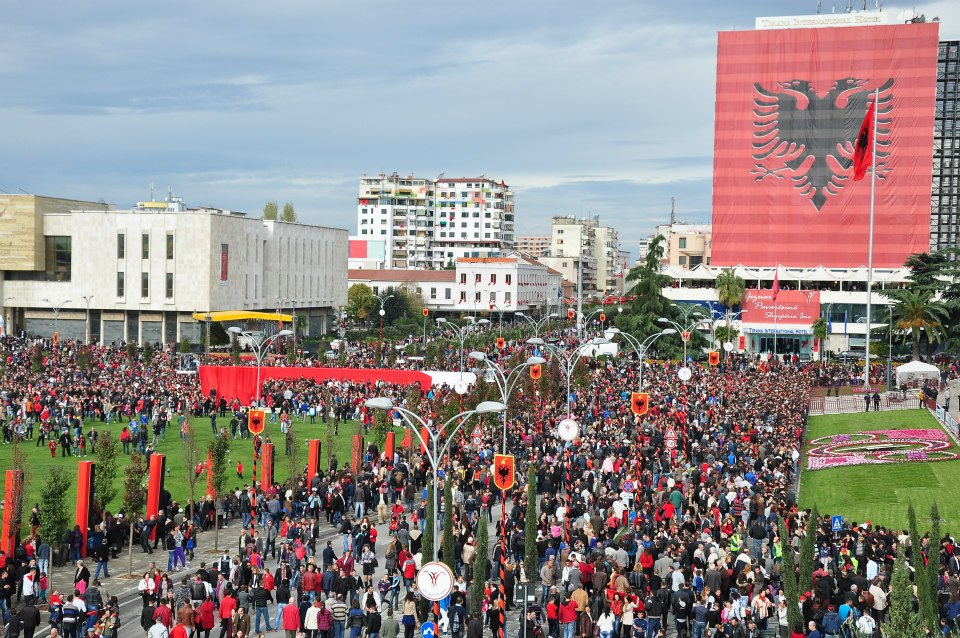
(917, 370)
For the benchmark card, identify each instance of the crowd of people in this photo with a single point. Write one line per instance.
(662, 524)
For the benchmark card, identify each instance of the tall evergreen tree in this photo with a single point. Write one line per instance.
(789, 578)
(808, 548)
(931, 578)
(531, 559)
(901, 621)
(481, 567)
(447, 545)
(426, 546)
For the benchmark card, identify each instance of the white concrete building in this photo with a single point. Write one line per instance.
(478, 286)
(139, 274)
(430, 223)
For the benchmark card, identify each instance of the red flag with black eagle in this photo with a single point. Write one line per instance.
(863, 149)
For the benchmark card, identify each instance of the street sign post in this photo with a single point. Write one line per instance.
(836, 523)
(628, 486)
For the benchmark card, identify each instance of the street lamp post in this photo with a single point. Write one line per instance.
(56, 313)
(495, 308)
(260, 348)
(506, 382)
(641, 348)
(691, 319)
(538, 323)
(570, 359)
(434, 450)
(86, 300)
(382, 298)
(461, 333)
(889, 350)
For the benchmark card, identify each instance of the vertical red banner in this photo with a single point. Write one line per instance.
(389, 446)
(407, 441)
(10, 494)
(424, 436)
(85, 474)
(266, 451)
(356, 456)
(156, 472)
(314, 448)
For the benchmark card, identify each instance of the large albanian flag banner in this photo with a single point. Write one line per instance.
(789, 107)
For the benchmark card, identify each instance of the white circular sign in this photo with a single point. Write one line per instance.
(568, 430)
(728, 346)
(435, 581)
(461, 387)
(684, 373)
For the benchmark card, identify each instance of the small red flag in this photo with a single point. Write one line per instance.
(776, 283)
(863, 149)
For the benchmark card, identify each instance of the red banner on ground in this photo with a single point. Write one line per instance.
(241, 381)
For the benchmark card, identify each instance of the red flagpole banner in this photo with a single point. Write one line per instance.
(863, 150)
(314, 450)
(10, 493)
(156, 472)
(790, 107)
(85, 474)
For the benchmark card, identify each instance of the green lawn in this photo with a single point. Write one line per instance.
(881, 493)
(40, 462)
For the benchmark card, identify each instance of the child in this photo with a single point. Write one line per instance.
(239, 470)
(43, 587)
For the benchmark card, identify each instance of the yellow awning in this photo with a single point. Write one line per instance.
(241, 315)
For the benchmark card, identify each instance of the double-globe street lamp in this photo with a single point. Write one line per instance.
(56, 307)
(569, 359)
(382, 298)
(260, 348)
(692, 318)
(434, 450)
(640, 347)
(538, 323)
(506, 381)
(461, 333)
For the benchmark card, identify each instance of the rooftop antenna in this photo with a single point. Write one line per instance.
(169, 193)
(849, 8)
(818, 7)
(673, 211)
(151, 191)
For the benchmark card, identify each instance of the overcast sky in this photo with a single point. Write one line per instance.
(581, 107)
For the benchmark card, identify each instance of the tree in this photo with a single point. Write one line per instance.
(530, 556)
(289, 213)
(54, 511)
(134, 497)
(361, 301)
(270, 210)
(902, 622)
(820, 331)
(148, 353)
(447, 544)
(105, 453)
(808, 548)
(791, 589)
(192, 456)
(294, 457)
(218, 449)
(426, 546)
(918, 315)
(730, 291)
(481, 567)
(184, 346)
(931, 575)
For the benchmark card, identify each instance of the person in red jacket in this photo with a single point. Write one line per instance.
(568, 616)
(204, 619)
(291, 618)
(227, 606)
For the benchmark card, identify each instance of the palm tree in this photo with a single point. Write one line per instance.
(915, 312)
(730, 290)
(820, 332)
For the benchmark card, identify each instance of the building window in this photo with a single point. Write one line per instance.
(463, 296)
(58, 258)
(144, 285)
(433, 293)
(509, 279)
(463, 275)
(121, 246)
(493, 297)
(447, 293)
(477, 278)
(169, 246)
(476, 297)
(506, 298)
(683, 260)
(683, 242)
(169, 291)
(121, 290)
(493, 278)
(145, 246)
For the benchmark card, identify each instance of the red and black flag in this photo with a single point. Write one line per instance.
(863, 149)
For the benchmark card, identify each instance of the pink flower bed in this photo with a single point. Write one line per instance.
(879, 447)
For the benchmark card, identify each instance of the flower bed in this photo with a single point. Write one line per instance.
(879, 447)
